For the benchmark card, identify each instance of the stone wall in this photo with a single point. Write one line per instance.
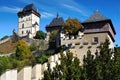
(84, 42)
(5, 40)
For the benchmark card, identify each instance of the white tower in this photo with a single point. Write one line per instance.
(28, 21)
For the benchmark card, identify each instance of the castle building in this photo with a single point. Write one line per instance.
(55, 24)
(28, 21)
(97, 29)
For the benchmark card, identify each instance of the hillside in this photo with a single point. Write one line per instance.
(7, 47)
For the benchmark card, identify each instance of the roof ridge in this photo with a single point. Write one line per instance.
(96, 16)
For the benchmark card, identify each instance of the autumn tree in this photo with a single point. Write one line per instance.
(72, 26)
(22, 50)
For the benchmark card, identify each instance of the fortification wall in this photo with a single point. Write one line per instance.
(5, 40)
(29, 72)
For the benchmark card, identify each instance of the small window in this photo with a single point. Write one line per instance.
(22, 25)
(95, 39)
(22, 32)
(27, 31)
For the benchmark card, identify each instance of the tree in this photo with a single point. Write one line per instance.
(69, 69)
(22, 50)
(100, 66)
(33, 47)
(42, 59)
(5, 64)
(117, 63)
(72, 26)
(53, 35)
(40, 35)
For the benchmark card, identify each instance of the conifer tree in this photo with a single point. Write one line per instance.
(69, 69)
(117, 63)
(101, 67)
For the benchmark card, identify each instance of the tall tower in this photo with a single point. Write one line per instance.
(28, 21)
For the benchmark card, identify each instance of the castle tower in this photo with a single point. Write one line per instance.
(28, 21)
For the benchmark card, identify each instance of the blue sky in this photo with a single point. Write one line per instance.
(80, 9)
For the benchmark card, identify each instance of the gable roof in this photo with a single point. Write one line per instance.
(96, 16)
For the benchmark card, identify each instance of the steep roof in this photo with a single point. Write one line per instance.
(96, 16)
(58, 21)
(29, 7)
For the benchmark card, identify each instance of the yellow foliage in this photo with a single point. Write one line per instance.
(71, 26)
(22, 50)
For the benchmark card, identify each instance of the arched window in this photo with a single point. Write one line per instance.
(22, 25)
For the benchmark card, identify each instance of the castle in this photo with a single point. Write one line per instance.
(28, 21)
(97, 28)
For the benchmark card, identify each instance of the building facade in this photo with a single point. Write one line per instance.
(97, 29)
(28, 21)
(55, 24)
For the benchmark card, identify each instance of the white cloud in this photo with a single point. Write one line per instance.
(75, 9)
(46, 15)
(9, 9)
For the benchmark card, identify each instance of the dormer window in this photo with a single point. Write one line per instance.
(95, 40)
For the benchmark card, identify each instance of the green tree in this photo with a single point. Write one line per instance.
(117, 63)
(40, 35)
(22, 50)
(5, 64)
(100, 66)
(69, 69)
(33, 47)
(72, 26)
(43, 58)
(53, 35)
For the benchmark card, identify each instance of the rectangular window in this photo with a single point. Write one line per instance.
(96, 40)
(22, 25)
(22, 32)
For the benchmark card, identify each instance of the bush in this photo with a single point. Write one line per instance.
(33, 47)
(40, 35)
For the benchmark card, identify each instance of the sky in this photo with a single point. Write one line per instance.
(80, 9)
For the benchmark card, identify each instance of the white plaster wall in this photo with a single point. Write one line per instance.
(36, 19)
(37, 72)
(25, 74)
(3, 76)
(28, 22)
(111, 42)
(9, 75)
